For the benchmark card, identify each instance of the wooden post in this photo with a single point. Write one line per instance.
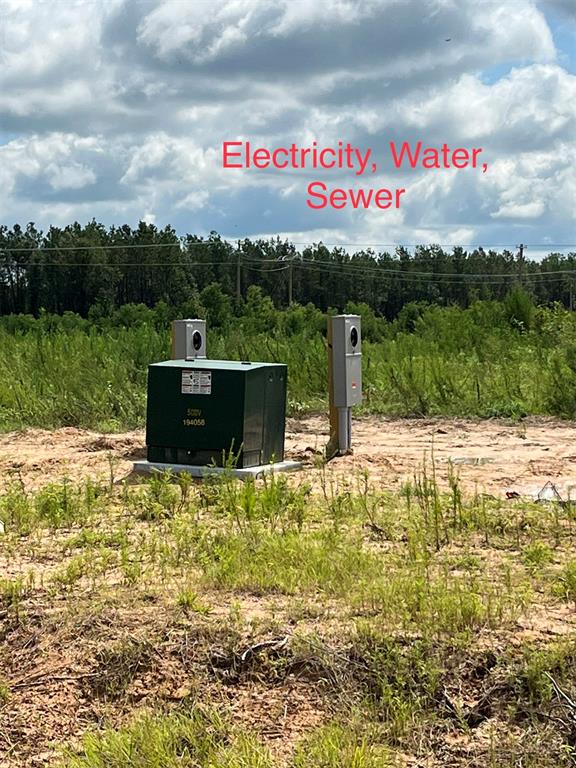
(238, 277)
(521, 263)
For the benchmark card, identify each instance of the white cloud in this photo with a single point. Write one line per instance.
(74, 176)
(208, 30)
(47, 157)
(194, 201)
(119, 109)
(173, 25)
(520, 210)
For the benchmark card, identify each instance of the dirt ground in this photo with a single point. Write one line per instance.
(53, 660)
(490, 456)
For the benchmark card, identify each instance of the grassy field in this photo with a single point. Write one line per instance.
(478, 362)
(310, 620)
(298, 621)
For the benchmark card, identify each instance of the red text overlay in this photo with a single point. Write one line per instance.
(343, 156)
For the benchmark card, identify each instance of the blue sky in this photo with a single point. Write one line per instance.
(117, 110)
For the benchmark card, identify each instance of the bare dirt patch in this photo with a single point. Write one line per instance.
(490, 456)
(40, 456)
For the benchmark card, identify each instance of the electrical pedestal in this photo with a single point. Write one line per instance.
(344, 378)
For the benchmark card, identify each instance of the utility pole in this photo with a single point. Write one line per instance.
(238, 276)
(521, 263)
(290, 283)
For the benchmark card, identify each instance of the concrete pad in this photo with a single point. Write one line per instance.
(147, 467)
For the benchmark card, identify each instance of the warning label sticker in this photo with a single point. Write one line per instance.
(196, 382)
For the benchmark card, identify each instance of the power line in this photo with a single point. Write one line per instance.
(113, 247)
(209, 243)
(273, 269)
(336, 267)
(347, 268)
(43, 248)
(383, 270)
(437, 245)
(245, 262)
(436, 277)
(102, 264)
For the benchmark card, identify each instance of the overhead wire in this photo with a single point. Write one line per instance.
(384, 270)
(432, 277)
(102, 264)
(307, 244)
(343, 268)
(272, 269)
(374, 268)
(346, 268)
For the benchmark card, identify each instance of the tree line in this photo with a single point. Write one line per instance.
(97, 269)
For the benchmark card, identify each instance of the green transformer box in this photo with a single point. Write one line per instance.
(199, 410)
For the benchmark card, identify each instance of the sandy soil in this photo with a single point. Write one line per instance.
(50, 659)
(492, 456)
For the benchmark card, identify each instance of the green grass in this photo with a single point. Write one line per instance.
(452, 362)
(201, 738)
(400, 610)
(420, 559)
(198, 739)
